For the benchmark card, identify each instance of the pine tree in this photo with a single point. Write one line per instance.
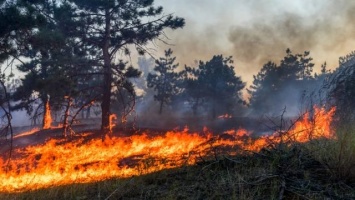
(165, 80)
(109, 26)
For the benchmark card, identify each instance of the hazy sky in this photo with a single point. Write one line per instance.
(256, 31)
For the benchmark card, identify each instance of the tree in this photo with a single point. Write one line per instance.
(281, 85)
(110, 26)
(165, 80)
(124, 97)
(340, 87)
(55, 59)
(14, 25)
(266, 82)
(215, 83)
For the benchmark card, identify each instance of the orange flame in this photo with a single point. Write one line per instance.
(112, 119)
(59, 162)
(27, 133)
(47, 118)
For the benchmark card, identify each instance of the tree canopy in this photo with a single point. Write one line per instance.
(165, 80)
(110, 26)
(215, 84)
(70, 42)
(277, 86)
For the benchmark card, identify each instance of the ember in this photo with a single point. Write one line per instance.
(61, 161)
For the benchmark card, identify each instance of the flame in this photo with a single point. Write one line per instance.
(62, 161)
(47, 118)
(27, 133)
(112, 124)
(303, 130)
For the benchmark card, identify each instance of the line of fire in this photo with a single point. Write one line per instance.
(88, 95)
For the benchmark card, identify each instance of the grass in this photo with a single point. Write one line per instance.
(319, 169)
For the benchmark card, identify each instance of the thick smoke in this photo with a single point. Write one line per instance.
(254, 32)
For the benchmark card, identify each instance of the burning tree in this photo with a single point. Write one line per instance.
(165, 81)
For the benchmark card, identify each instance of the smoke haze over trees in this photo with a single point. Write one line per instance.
(255, 32)
(76, 56)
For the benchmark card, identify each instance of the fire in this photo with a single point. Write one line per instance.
(112, 119)
(63, 161)
(27, 133)
(47, 118)
(303, 130)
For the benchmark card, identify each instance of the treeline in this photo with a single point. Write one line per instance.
(214, 89)
(71, 51)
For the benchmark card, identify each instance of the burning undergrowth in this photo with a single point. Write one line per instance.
(90, 158)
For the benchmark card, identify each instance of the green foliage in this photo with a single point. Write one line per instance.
(166, 80)
(124, 95)
(109, 27)
(71, 46)
(14, 28)
(215, 84)
(55, 58)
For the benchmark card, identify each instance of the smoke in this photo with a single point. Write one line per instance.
(20, 118)
(262, 41)
(254, 32)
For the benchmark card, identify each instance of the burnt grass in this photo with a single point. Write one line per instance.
(279, 171)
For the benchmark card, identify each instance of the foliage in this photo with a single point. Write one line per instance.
(214, 83)
(55, 58)
(124, 97)
(280, 85)
(69, 43)
(108, 27)
(165, 80)
(15, 27)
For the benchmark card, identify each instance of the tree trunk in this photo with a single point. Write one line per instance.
(106, 103)
(106, 95)
(66, 117)
(161, 108)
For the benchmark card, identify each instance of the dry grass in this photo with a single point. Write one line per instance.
(320, 169)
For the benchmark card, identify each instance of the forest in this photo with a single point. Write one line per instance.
(68, 63)
(62, 53)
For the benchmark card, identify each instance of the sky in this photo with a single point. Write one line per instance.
(257, 31)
